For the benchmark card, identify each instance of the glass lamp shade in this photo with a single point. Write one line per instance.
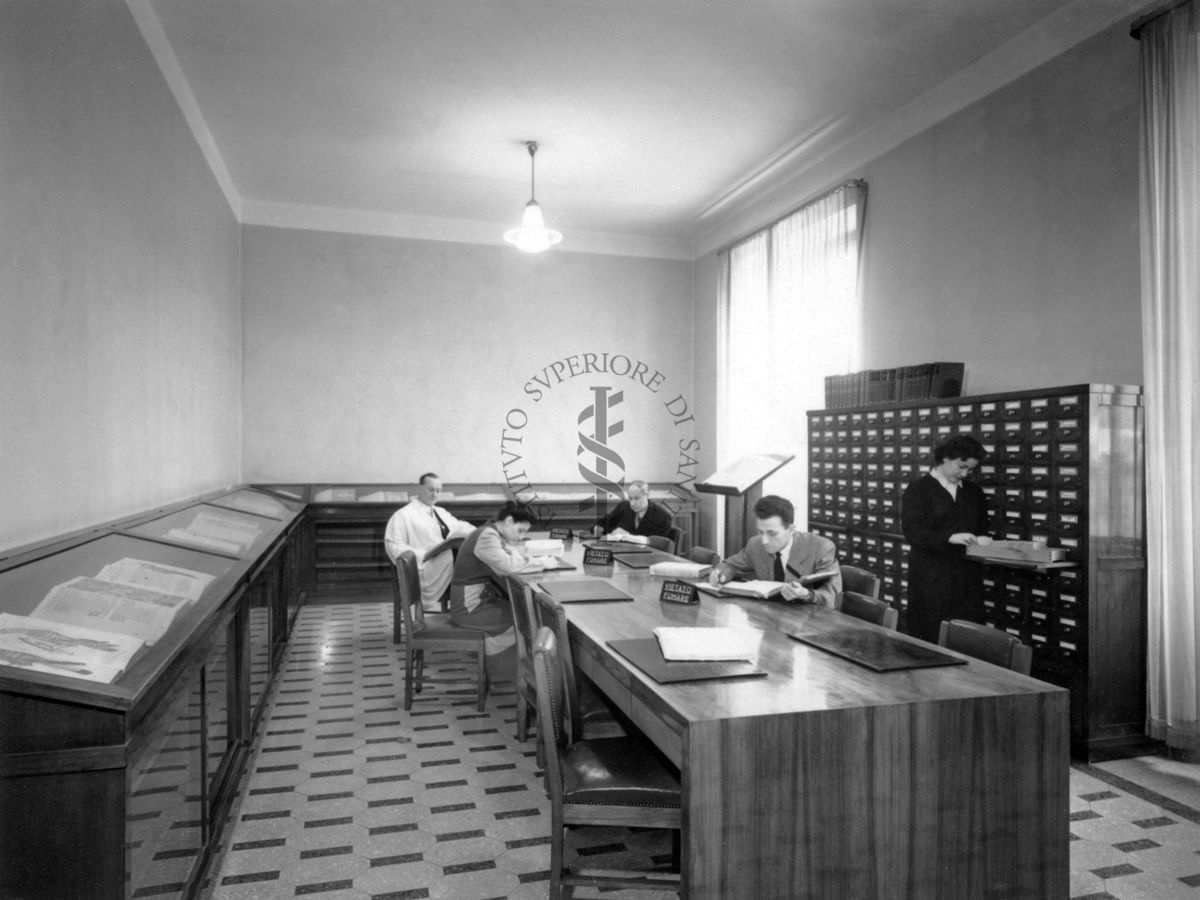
(533, 236)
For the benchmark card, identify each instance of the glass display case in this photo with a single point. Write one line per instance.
(133, 660)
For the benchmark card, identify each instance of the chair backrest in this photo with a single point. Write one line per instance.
(861, 581)
(986, 643)
(704, 555)
(869, 610)
(675, 536)
(407, 585)
(660, 542)
(520, 596)
(548, 673)
(552, 615)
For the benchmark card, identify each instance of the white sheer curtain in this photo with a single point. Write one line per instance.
(1170, 220)
(790, 315)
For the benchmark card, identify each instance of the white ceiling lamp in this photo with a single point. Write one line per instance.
(532, 236)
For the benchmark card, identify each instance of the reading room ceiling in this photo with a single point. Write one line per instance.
(651, 114)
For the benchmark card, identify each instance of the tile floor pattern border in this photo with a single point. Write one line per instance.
(346, 797)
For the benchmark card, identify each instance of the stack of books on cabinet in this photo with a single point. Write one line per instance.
(924, 381)
(1064, 466)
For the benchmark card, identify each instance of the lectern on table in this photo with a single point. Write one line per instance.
(741, 483)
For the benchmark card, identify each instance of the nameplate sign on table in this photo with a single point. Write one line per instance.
(881, 651)
(595, 556)
(562, 534)
(676, 591)
(584, 590)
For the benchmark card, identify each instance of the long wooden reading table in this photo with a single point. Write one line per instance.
(827, 779)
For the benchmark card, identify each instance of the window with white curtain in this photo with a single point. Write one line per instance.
(790, 315)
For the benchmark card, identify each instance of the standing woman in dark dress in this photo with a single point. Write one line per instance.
(941, 515)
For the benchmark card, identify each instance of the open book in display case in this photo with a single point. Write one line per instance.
(135, 658)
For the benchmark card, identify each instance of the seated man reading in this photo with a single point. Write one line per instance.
(637, 514)
(781, 553)
(419, 526)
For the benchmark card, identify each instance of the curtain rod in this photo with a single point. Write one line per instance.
(1135, 30)
(852, 182)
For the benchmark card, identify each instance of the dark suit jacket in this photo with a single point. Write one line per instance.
(810, 553)
(655, 520)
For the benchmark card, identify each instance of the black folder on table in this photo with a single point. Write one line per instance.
(881, 651)
(583, 590)
(646, 654)
(646, 560)
(619, 547)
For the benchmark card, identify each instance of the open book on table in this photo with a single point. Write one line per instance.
(760, 589)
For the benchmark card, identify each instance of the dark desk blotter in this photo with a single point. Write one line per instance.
(584, 590)
(881, 651)
(646, 654)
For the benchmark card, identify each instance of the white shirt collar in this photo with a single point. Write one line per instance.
(951, 487)
(786, 552)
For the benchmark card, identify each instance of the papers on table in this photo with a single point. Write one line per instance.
(543, 547)
(627, 538)
(214, 531)
(701, 643)
(39, 645)
(758, 590)
(679, 569)
(550, 563)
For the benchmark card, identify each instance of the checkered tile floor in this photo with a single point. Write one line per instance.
(350, 798)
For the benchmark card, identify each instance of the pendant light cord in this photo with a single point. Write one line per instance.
(532, 145)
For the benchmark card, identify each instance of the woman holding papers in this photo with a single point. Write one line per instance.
(941, 514)
(780, 553)
(478, 596)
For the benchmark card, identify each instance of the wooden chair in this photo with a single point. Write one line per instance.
(675, 535)
(586, 713)
(599, 781)
(986, 643)
(861, 581)
(398, 618)
(869, 610)
(432, 631)
(704, 555)
(521, 600)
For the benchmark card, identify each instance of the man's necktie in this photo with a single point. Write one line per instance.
(441, 524)
(779, 567)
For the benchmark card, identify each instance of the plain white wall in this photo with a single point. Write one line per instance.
(1006, 236)
(376, 358)
(120, 326)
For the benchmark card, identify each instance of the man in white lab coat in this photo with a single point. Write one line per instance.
(420, 525)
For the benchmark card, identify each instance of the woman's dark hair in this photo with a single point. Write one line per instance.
(774, 505)
(518, 512)
(959, 446)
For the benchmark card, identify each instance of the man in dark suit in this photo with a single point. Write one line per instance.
(638, 514)
(781, 553)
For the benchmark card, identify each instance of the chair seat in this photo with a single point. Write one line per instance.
(617, 771)
(437, 629)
